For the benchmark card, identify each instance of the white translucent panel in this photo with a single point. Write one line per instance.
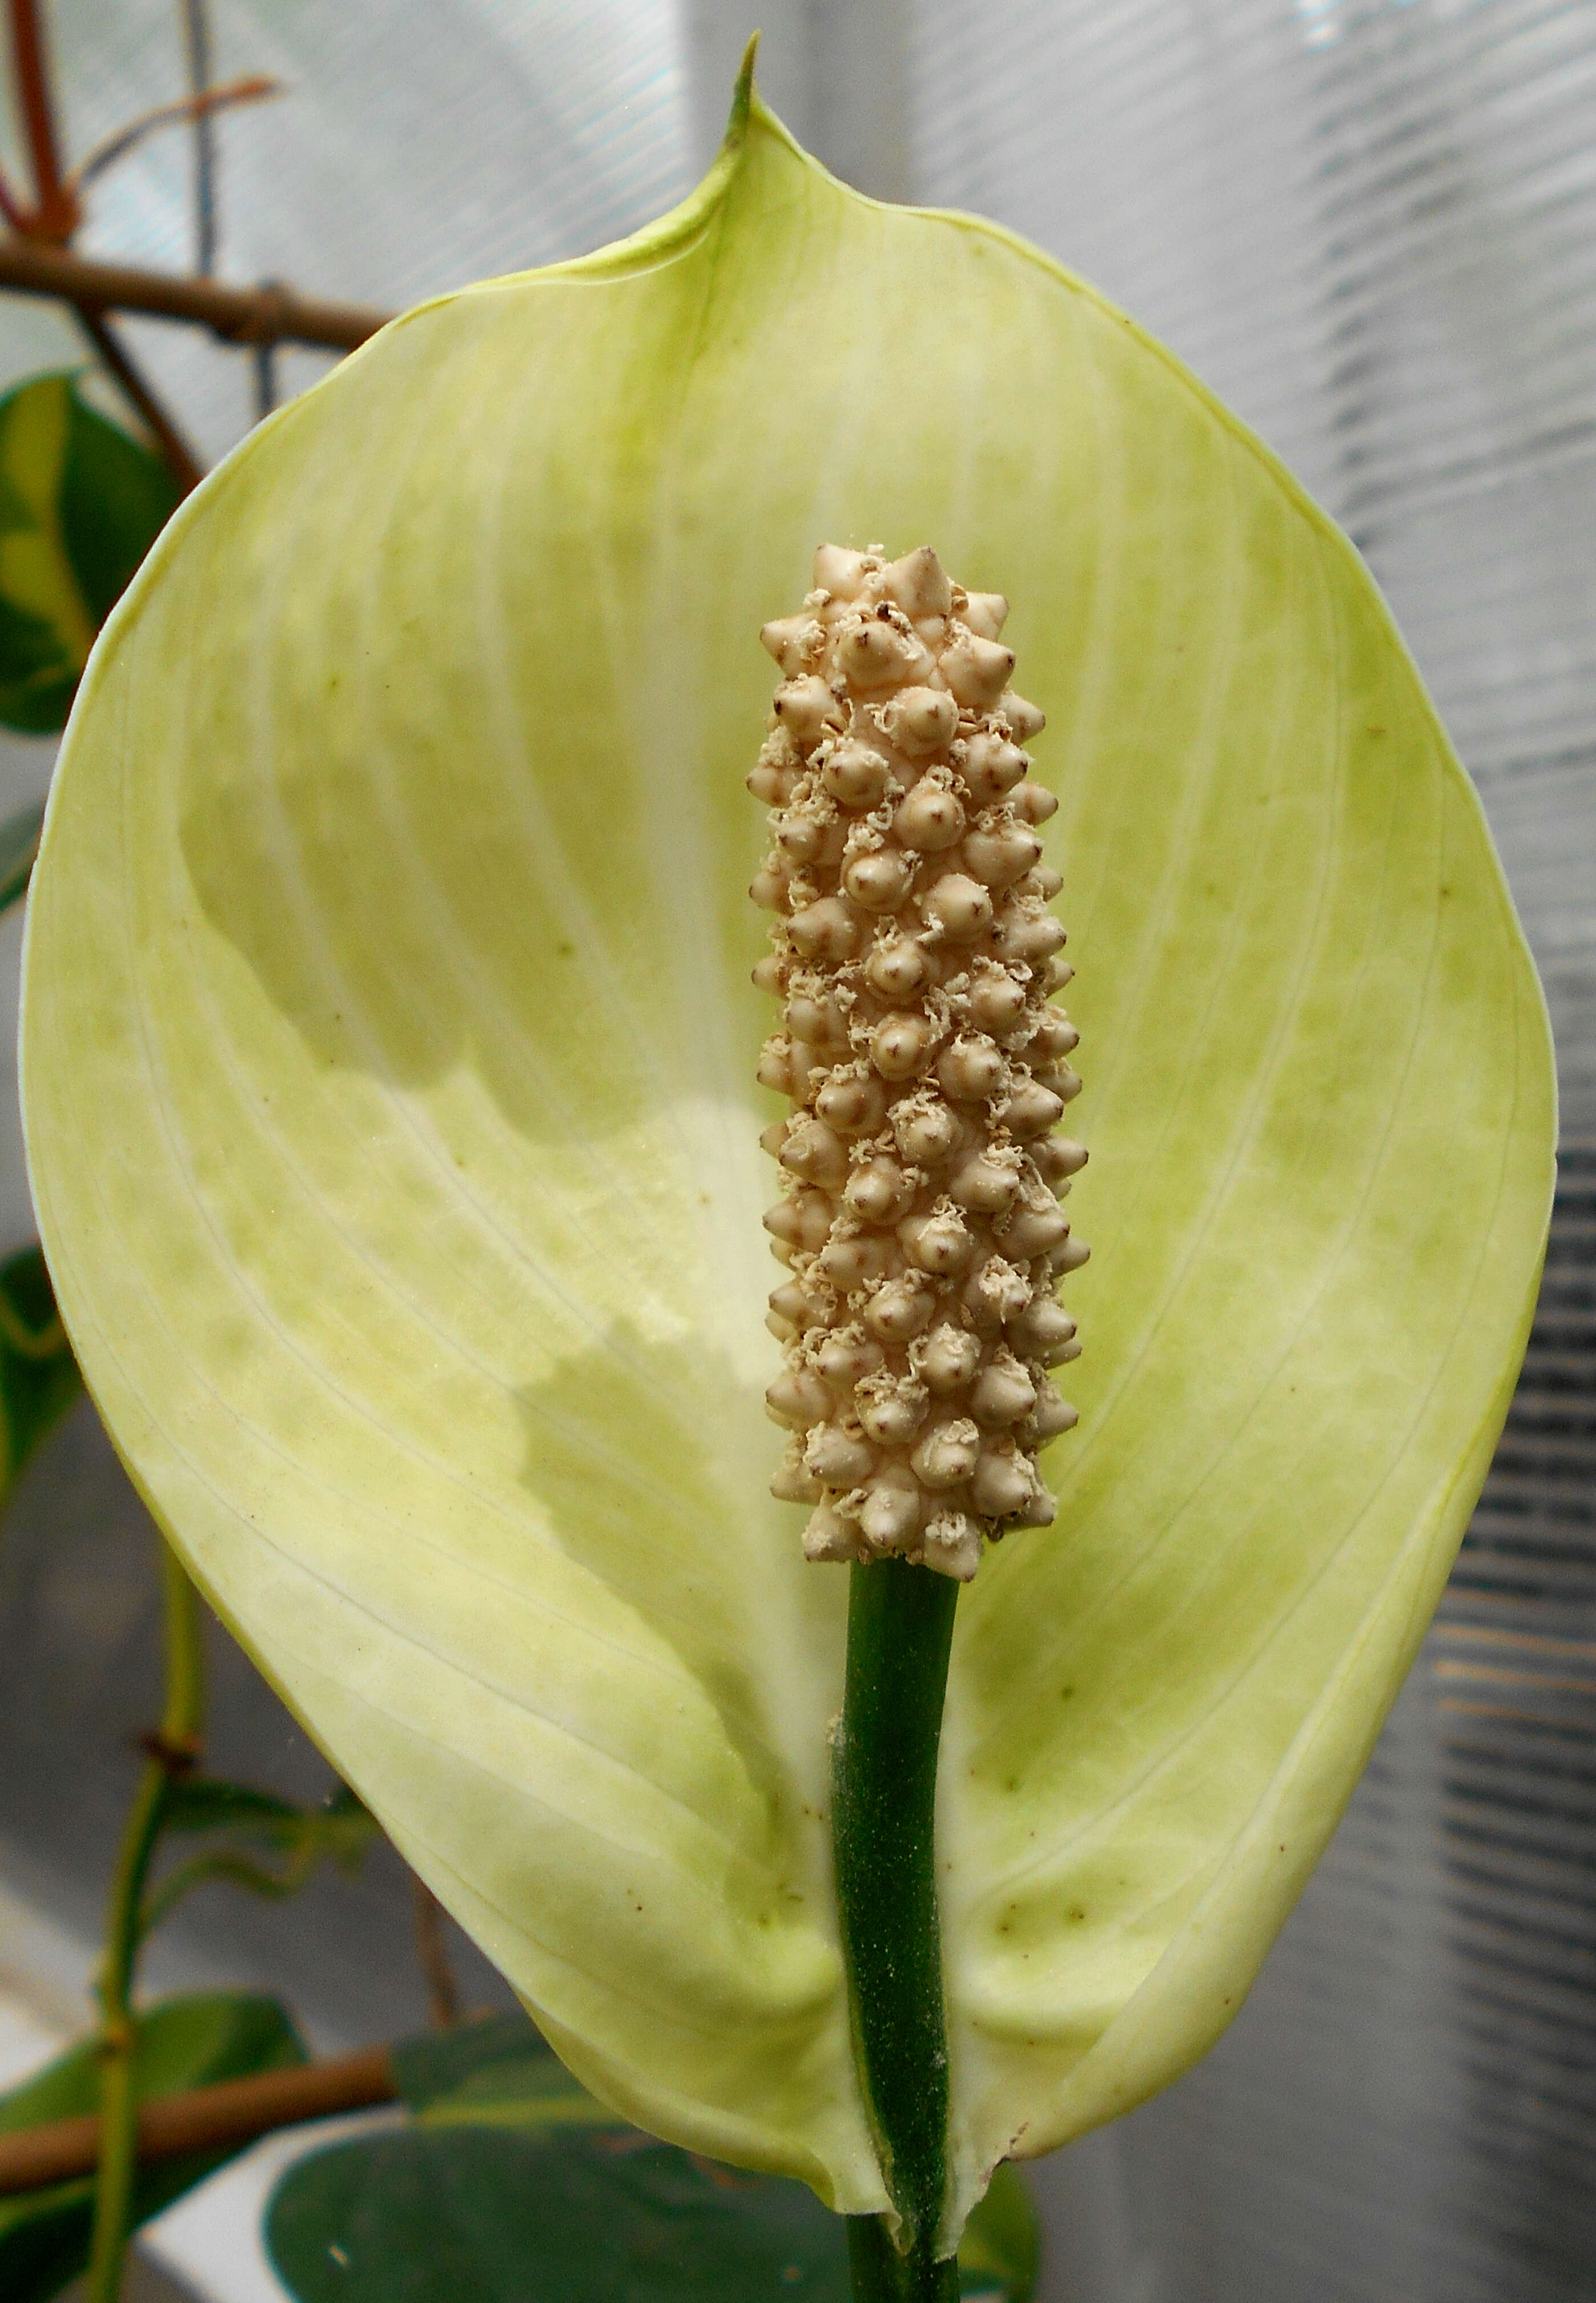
(1371, 226)
(417, 144)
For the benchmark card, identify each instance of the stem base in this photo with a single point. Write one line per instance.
(878, 2274)
(884, 1803)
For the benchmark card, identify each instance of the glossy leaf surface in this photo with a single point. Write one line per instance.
(516, 2187)
(388, 1056)
(189, 2042)
(433, 2065)
(80, 504)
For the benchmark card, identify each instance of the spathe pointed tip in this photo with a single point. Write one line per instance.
(723, 169)
(737, 126)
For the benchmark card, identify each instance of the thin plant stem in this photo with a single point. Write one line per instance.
(197, 43)
(884, 1805)
(55, 212)
(172, 1751)
(432, 1955)
(263, 350)
(11, 207)
(177, 455)
(265, 359)
(249, 89)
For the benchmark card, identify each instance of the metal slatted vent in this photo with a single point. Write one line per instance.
(1512, 1656)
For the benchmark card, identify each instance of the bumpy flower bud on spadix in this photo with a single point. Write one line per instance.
(917, 1136)
(389, 1059)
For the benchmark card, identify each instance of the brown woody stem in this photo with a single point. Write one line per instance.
(202, 2119)
(56, 214)
(246, 316)
(180, 459)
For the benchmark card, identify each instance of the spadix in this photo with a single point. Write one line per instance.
(925, 1065)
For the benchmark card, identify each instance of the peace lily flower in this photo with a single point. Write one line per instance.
(389, 1049)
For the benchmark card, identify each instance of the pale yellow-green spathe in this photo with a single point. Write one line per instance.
(388, 1048)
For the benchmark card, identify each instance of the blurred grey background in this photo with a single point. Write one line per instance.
(1369, 225)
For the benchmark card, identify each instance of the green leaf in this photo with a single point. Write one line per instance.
(389, 1051)
(38, 1375)
(116, 496)
(19, 844)
(187, 2042)
(1001, 2251)
(527, 2096)
(475, 2216)
(505, 2192)
(498, 2073)
(440, 2063)
(81, 503)
(40, 658)
(340, 1830)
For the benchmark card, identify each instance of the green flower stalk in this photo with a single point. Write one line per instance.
(389, 1052)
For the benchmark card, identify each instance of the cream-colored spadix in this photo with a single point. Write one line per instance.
(913, 951)
(388, 1043)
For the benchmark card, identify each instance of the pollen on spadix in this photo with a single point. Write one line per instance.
(915, 956)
